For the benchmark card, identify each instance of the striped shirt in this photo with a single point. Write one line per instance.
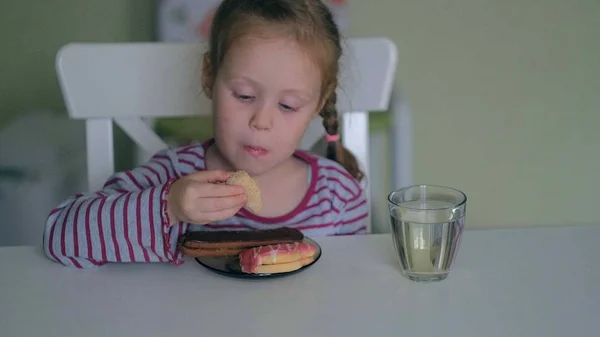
(127, 220)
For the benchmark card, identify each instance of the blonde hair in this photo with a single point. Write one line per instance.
(311, 23)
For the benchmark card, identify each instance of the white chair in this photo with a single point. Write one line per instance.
(126, 83)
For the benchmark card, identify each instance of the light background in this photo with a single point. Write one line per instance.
(505, 94)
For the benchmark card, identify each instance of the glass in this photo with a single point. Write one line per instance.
(427, 223)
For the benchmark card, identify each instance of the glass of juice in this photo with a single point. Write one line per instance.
(427, 222)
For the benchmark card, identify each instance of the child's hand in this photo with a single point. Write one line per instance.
(200, 198)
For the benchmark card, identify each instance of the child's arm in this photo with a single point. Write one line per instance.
(354, 216)
(126, 221)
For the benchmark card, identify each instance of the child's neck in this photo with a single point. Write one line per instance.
(291, 175)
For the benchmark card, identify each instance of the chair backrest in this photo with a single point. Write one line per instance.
(123, 83)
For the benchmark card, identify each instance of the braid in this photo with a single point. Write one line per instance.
(331, 125)
(335, 150)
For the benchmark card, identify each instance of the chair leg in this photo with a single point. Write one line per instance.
(142, 134)
(355, 137)
(402, 141)
(100, 152)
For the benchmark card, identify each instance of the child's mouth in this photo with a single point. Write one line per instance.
(255, 151)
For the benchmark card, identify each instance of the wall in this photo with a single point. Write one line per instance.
(505, 102)
(33, 31)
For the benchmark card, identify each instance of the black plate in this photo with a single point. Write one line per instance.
(230, 266)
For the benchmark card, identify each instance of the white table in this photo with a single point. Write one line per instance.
(517, 282)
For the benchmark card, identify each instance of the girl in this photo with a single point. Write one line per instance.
(271, 67)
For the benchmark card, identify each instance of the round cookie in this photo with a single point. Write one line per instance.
(242, 178)
(282, 267)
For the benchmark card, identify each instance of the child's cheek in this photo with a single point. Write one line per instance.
(224, 123)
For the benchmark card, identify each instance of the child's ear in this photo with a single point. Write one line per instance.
(207, 76)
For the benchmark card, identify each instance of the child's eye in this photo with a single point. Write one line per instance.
(243, 98)
(286, 107)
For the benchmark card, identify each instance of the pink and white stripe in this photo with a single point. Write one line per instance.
(127, 220)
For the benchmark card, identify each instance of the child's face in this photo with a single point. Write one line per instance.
(265, 94)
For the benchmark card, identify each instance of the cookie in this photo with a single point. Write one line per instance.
(230, 243)
(254, 203)
(278, 258)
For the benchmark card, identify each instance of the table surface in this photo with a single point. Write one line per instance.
(515, 282)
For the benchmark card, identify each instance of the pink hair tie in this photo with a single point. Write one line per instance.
(332, 138)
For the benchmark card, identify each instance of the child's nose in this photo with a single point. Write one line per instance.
(262, 118)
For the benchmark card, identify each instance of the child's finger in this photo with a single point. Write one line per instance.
(222, 214)
(222, 203)
(209, 190)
